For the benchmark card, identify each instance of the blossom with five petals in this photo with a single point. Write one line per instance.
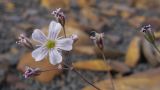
(51, 44)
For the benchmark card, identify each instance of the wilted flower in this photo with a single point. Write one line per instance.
(29, 72)
(148, 34)
(24, 41)
(59, 15)
(98, 39)
(51, 44)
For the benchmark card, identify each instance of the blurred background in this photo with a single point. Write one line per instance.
(121, 20)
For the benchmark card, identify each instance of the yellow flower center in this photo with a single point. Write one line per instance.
(50, 44)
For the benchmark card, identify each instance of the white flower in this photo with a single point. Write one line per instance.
(51, 44)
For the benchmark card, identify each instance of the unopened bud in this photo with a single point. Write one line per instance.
(30, 72)
(148, 34)
(24, 41)
(74, 37)
(59, 15)
(98, 39)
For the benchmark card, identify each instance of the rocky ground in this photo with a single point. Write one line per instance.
(119, 20)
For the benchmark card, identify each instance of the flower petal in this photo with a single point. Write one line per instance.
(39, 53)
(54, 29)
(64, 44)
(38, 36)
(55, 57)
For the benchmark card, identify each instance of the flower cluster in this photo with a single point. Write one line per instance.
(51, 45)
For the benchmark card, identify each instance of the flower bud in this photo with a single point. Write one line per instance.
(24, 41)
(98, 39)
(59, 15)
(30, 72)
(74, 37)
(148, 34)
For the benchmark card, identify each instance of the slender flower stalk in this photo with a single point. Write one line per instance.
(98, 39)
(149, 36)
(109, 72)
(81, 76)
(59, 15)
(24, 41)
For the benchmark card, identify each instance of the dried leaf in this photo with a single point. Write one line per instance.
(148, 80)
(110, 52)
(133, 52)
(119, 66)
(86, 50)
(92, 50)
(86, 3)
(157, 34)
(43, 77)
(49, 4)
(94, 65)
(100, 65)
(146, 4)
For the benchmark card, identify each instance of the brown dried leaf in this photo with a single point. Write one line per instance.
(110, 52)
(49, 4)
(100, 65)
(146, 4)
(94, 65)
(86, 3)
(133, 52)
(92, 50)
(157, 34)
(119, 66)
(43, 77)
(148, 80)
(87, 50)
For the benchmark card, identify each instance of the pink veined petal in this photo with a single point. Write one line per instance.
(55, 57)
(39, 36)
(54, 29)
(39, 53)
(64, 44)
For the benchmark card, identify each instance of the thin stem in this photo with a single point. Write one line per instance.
(109, 72)
(154, 45)
(64, 30)
(54, 69)
(78, 73)
(85, 79)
